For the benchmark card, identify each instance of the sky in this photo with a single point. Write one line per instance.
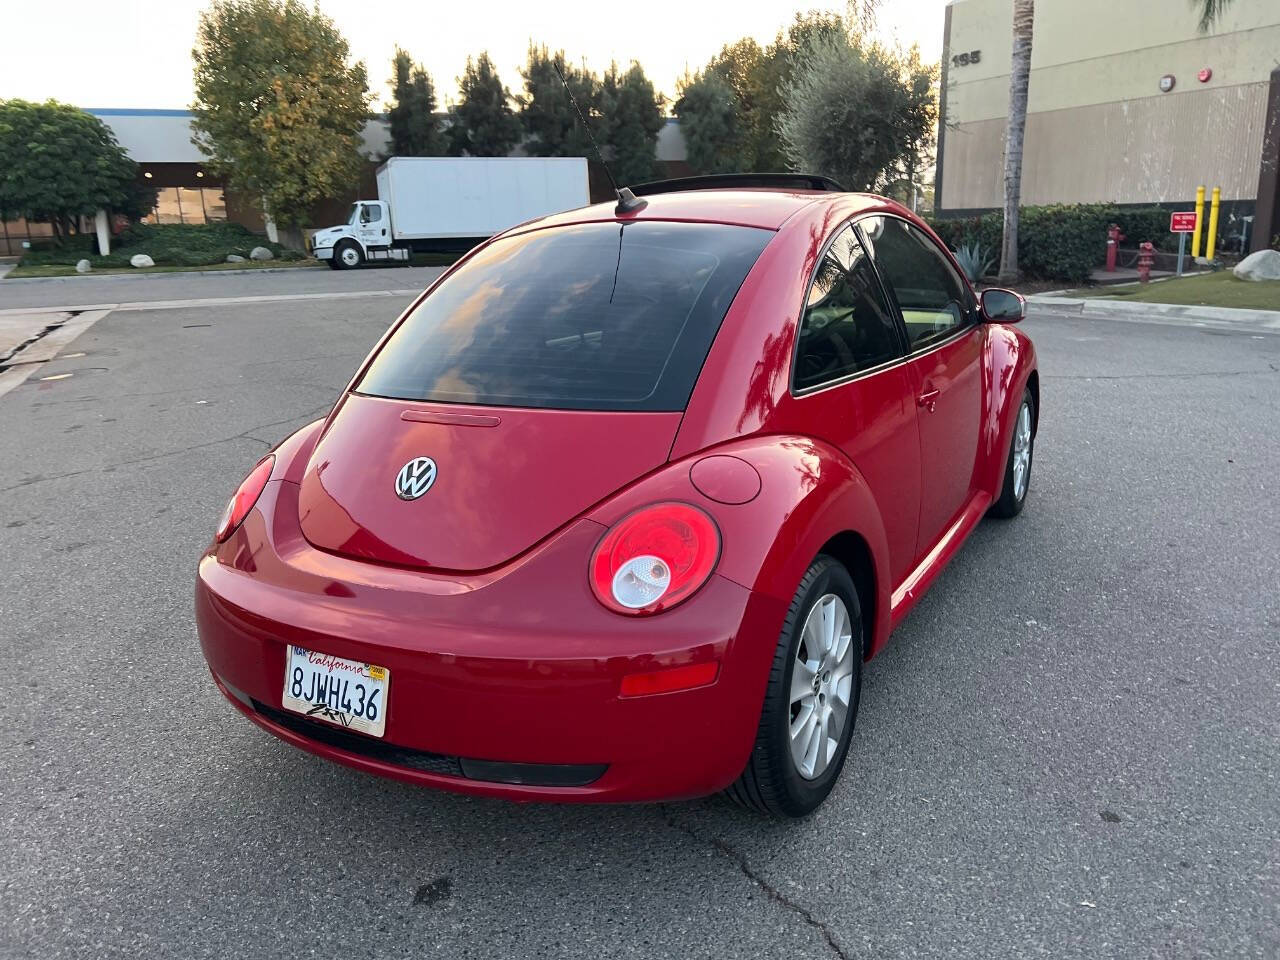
(129, 53)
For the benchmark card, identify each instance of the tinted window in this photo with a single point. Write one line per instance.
(933, 300)
(847, 324)
(598, 316)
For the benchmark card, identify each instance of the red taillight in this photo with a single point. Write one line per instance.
(654, 558)
(245, 497)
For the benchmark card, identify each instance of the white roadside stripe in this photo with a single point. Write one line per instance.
(219, 301)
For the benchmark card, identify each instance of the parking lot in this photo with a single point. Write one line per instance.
(1070, 749)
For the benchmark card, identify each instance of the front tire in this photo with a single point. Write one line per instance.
(811, 701)
(347, 255)
(1017, 469)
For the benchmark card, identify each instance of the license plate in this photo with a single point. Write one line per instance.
(347, 693)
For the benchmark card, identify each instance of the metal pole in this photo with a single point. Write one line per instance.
(1195, 237)
(1182, 248)
(1212, 239)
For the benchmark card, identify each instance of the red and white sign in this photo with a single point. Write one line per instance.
(1182, 222)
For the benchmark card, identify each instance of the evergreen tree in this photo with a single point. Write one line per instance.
(716, 139)
(483, 123)
(550, 121)
(632, 118)
(415, 129)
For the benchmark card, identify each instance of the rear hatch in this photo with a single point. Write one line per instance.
(504, 478)
(543, 375)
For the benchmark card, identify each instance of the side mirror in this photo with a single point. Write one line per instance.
(1002, 306)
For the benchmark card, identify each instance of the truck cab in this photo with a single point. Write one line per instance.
(367, 235)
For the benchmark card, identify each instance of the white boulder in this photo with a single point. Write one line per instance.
(141, 260)
(234, 258)
(83, 266)
(1259, 265)
(261, 253)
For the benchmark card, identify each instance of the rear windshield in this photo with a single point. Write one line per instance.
(598, 316)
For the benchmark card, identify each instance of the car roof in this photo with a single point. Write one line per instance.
(750, 207)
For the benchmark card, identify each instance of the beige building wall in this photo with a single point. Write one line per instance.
(1099, 129)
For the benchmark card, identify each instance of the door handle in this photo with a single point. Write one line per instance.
(928, 400)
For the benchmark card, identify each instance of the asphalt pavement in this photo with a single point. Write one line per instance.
(1070, 749)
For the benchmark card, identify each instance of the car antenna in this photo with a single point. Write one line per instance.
(628, 202)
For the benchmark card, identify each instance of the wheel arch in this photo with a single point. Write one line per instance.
(1033, 384)
(851, 549)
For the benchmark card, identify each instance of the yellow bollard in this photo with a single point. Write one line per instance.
(1212, 239)
(1195, 234)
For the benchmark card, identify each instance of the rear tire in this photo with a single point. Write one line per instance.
(807, 720)
(1017, 468)
(347, 255)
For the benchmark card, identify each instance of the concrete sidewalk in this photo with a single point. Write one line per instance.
(1262, 320)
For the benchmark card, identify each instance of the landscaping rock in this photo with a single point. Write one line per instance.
(234, 258)
(1260, 265)
(141, 260)
(261, 253)
(83, 266)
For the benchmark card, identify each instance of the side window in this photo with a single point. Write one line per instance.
(933, 299)
(847, 325)
(369, 213)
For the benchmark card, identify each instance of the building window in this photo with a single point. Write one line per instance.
(188, 205)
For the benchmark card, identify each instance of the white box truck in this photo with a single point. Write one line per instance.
(424, 201)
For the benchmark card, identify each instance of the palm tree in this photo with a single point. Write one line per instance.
(1024, 12)
(1210, 11)
(1019, 79)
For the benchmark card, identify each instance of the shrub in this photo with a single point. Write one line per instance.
(1062, 241)
(168, 244)
(974, 260)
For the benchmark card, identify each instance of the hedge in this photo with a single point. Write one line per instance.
(168, 244)
(1061, 242)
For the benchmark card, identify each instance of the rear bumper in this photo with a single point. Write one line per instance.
(504, 683)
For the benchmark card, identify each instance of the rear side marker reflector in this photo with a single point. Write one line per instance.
(671, 680)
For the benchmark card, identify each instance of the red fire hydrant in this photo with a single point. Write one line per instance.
(1146, 257)
(1114, 236)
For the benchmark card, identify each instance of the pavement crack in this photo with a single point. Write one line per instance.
(245, 435)
(38, 335)
(772, 892)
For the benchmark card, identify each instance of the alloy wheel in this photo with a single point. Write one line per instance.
(1022, 452)
(821, 686)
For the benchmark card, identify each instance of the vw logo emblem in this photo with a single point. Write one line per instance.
(415, 478)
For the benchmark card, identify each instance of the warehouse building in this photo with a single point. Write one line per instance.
(187, 192)
(1128, 103)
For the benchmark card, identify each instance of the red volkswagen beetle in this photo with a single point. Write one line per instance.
(619, 506)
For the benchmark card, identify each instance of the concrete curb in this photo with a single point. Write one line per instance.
(1171, 312)
(128, 277)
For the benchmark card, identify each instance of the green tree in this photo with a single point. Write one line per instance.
(715, 137)
(415, 129)
(632, 118)
(59, 163)
(858, 113)
(758, 74)
(279, 108)
(546, 112)
(483, 123)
